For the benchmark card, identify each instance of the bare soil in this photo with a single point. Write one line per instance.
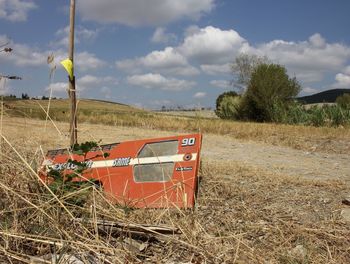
(278, 159)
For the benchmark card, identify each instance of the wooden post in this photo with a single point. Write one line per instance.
(72, 91)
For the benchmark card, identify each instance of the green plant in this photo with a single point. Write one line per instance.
(317, 116)
(343, 101)
(67, 184)
(243, 67)
(222, 96)
(338, 116)
(269, 85)
(229, 107)
(296, 114)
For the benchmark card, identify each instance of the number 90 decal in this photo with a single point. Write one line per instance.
(188, 142)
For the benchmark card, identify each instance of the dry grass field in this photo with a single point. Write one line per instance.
(268, 194)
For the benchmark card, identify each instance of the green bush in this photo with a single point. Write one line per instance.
(343, 101)
(269, 86)
(295, 113)
(229, 107)
(226, 105)
(338, 116)
(222, 96)
(317, 116)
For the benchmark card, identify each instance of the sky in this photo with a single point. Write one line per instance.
(172, 53)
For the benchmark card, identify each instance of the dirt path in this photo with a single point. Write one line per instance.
(277, 159)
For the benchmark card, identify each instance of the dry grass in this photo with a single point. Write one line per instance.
(327, 139)
(243, 214)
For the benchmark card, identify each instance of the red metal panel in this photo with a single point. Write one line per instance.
(150, 186)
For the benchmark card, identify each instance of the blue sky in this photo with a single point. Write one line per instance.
(151, 53)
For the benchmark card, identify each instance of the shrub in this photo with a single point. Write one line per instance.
(222, 96)
(269, 86)
(317, 116)
(229, 107)
(338, 116)
(223, 104)
(343, 101)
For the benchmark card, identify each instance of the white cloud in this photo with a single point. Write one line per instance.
(191, 30)
(88, 80)
(216, 69)
(221, 83)
(22, 55)
(158, 81)
(85, 83)
(94, 82)
(309, 90)
(140, 13)
(58, 88)
(307, 76)
(16, 10)
(199, 95)
(88, 61)
(27, 56)
(317, 41)
(308, 60)
(167, 58)
(212, 45)
(161, 36)
(81, 34)
(213, 48)
(167, 61)
(342, 81)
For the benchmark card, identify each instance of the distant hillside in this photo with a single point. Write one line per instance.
(328, 96)
(60, 108)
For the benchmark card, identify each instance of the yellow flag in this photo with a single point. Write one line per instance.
(68, 65)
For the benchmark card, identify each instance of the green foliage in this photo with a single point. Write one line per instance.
(68, 184)
(25, 96)
(317, 116)
(243, 67)
(220, 108)
(229, 107)
(222, 96)
(10, 97)
(292, 113)
(343, 101)
(337, 116)
(269, 86)
(327, 115)
(84, 148)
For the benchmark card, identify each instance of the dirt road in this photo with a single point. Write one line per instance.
(275, 159)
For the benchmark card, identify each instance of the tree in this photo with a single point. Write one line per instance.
(221, 97)
(229, 107)
(242, 69)
(25, 96)
(343, 101)
(268, 88)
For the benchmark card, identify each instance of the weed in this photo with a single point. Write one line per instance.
(65, 184)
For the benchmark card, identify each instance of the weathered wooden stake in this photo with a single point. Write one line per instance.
(72, 92)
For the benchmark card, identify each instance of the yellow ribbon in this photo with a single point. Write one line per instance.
(68, 65)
